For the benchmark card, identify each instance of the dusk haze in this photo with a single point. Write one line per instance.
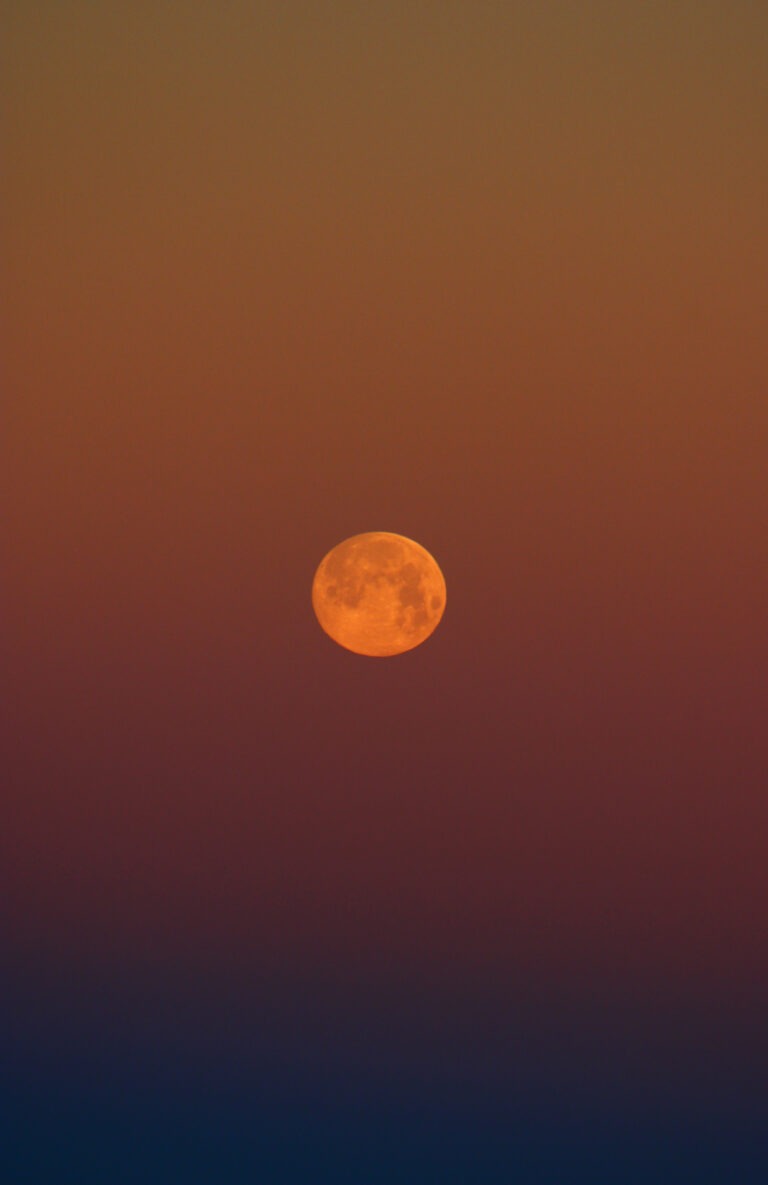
(485, 903)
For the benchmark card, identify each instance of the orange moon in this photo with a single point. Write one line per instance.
(378, 594)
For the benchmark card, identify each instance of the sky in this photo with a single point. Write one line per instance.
(491, 276)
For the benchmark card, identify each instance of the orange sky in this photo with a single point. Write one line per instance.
(490, 276)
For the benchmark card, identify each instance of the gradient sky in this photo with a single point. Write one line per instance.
(493, 276)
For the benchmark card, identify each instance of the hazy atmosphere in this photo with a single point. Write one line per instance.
(492, 276)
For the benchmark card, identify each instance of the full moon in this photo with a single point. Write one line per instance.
(378, 594)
